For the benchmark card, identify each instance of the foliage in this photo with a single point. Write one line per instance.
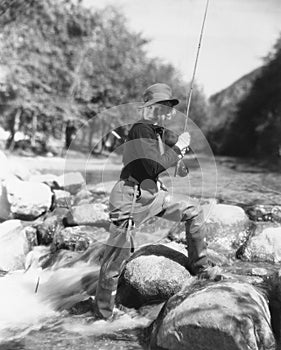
(256, 128)
(65, 62)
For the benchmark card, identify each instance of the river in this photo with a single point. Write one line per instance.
(28, 320)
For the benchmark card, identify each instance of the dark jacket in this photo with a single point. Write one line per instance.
(142, 158)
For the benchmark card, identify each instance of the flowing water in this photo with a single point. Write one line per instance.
(29, 320)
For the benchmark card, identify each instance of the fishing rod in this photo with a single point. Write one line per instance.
(190, 92)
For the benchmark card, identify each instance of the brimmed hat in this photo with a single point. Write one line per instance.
(158, 93)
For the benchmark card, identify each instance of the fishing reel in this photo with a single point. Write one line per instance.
(170, 138)
(181, 168)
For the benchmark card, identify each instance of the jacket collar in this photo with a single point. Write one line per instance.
(156, 127)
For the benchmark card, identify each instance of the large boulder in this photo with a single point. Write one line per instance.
(153, 274)
(207, 315)
(71, 182)
(28, 200)
(263, 246)
(14, 245)
(88, 214)
(272, 285)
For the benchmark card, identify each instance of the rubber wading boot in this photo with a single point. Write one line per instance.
(197, 254)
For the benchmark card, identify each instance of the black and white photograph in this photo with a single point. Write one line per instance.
(140, 174)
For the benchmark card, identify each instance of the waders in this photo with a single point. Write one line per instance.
(118, 250)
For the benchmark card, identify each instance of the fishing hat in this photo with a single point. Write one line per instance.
(158, 93)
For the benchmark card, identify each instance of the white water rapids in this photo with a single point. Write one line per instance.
(22, 310)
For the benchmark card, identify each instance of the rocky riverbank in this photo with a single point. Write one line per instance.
(54, 222)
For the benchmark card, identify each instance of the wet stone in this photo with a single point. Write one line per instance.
(28, 200)
(52, 223)
(263, 246)
(62, 199)
(153, 273)
(264, 213)
(214, 315)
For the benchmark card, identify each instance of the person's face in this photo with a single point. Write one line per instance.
(163, 110)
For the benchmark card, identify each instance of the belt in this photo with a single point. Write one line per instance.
(158, 182)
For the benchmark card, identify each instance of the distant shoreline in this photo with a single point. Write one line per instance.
(61, 164)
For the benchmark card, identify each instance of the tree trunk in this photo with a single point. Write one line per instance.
(34, 129)
(14, 127)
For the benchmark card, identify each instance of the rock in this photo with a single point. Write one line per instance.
(224, 214)
(28, 200)
(88, 214)
(48, 179)
(227, 227)
(20, 171)
(208, 315)
(71, 182)
(83, 197)
(273, 288)
(169, 251)
(263, 247)
(259, 271)
(78, 238)
(5, 173)
(14, 245)
(52, 223)
(264, 213)
(177, 246)
(102, 188)
(63, 199)
(5, 170)
(4, 204)
(217, 259)
(152, 279)
(153, 274)
(37, 257)
(3, 273)
(30, 233)
(214, 257)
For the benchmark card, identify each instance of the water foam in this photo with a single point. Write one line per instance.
(20, 307)
(23, 309)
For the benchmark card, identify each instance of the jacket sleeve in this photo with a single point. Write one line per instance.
(147, 150)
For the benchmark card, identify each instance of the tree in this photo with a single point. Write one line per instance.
(65, 62)
(41, 50)
(257, 128)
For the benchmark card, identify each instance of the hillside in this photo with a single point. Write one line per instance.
(223, 108)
